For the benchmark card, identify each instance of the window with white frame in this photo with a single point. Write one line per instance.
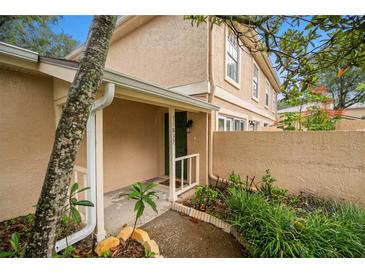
(267, 92)
(232, 57)
(221, 123)
(226, 123)
(255, 82)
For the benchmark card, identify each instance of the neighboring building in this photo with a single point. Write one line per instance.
(197, 61)
(354, 112)
(142, 131)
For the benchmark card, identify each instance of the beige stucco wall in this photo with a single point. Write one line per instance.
(27, 126)
(329, 164)
(198, 142)
(244, 89)
(133, 143)
(345, 124)
(167, 51)
(355, 112)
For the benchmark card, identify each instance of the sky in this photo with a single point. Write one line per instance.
(75, 25)
(78, 26)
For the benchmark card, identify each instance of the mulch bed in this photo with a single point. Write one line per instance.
(134, 250)
(83, 249)
(217, 209)
(21, 225)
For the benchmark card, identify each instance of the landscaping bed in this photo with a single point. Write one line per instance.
(86, 248)
(275, 224)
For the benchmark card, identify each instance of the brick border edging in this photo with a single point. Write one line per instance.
(207, 218)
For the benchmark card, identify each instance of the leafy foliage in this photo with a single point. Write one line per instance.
(272, 228)
(302, 46)
(343, 88)
(71, 207)
(289, 121)
(17, 250)
(320, 119)
(204, 196)
(142, 194)
(148, 253)
(35, 33)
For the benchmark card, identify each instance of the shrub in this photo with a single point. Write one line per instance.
(268, 190)
(205, 196)
(328, 238)
(274, 229)
(267, 228)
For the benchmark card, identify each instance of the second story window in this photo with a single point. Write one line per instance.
(255, 82)
(267, 91)
(232, 57)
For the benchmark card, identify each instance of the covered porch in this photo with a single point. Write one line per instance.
(145, 134)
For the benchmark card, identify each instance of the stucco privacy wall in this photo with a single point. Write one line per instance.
(329, 164)
(133, 143)
(167, 51)
(27, 126)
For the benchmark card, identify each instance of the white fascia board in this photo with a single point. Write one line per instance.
(18, 52)
(122, 80)
(193, 89)
(232, 113)
(229, 97)
(133, 83)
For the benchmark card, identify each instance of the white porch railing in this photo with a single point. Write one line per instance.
(190, 183)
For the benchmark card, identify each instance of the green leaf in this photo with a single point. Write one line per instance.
(84, 203)
(138, 187)
(73, 201)
(133, 194)
(152, 193)
(75, 215)
(139, 207)
(83, 189)
(5, 254)
(14, 241)
(74, 188)
(150, 202)
(150, 186)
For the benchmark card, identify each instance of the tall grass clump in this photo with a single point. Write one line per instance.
(268, 229)
(274, 229)
(328, 237)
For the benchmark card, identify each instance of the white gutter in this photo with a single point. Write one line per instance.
(18, 52)
(211, 96)
(99, 104)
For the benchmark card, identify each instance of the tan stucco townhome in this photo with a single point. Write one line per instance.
(202, 62)
(167, 87)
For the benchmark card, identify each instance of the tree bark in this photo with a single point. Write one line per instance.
(69, 133)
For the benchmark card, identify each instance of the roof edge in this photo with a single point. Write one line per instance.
(19, 52)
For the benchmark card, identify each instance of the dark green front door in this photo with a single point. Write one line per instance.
(181, 142)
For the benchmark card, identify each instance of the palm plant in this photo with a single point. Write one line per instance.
(142, 194)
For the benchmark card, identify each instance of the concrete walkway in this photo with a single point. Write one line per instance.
(118, 210)
(183, 237)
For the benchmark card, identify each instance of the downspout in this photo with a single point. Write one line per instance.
(99, 104)
(210, 100)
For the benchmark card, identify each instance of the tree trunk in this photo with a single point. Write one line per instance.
(69, 132)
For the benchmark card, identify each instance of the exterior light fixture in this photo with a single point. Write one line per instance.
(189, 125)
